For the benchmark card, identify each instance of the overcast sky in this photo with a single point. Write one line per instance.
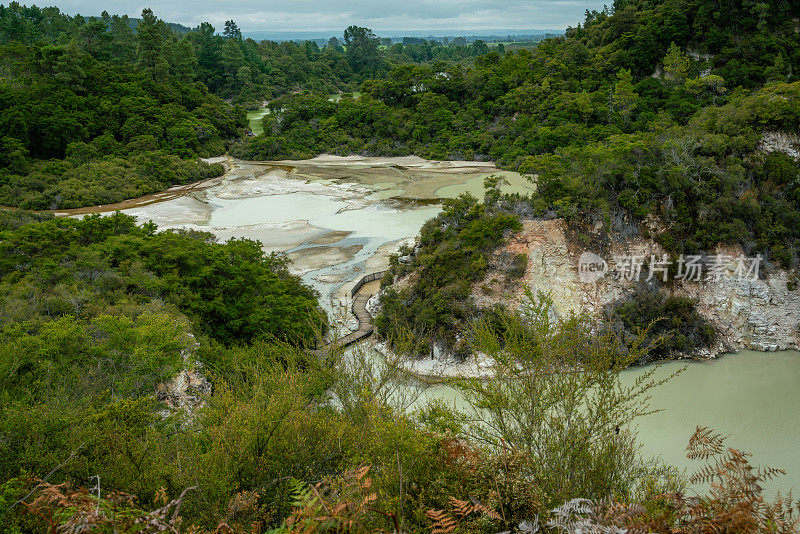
(319, 15)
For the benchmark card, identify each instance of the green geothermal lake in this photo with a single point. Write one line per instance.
(340, 218)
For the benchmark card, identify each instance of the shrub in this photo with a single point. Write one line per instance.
(674, 319)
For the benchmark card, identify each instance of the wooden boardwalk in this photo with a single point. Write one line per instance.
(365, 327)
(362, 291)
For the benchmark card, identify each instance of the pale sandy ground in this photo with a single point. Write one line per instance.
(225, 160)
(407, 177)
(176, 213)
(275, 237)
(406, 161)
(258, 180)
(354, 182)
(334, 236)
(310, 259)
(330, 278)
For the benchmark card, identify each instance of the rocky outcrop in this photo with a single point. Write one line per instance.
(374, 304)
(784, 142)
(760, 314)
(188, 390)
(440, 364)
(753, 314)
(185, 391)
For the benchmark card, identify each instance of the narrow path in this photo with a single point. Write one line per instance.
(364, 289)
(365, 327)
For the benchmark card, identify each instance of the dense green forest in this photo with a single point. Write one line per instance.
(92, 113)
(664, 112)
(95, 110)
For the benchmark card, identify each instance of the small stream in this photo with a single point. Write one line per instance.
(254, 117)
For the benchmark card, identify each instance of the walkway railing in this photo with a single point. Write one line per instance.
(366, 279)
(360, 311)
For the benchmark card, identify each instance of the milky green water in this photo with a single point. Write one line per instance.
(377, 222)
(254, 118)
(752, 396)
(474, 186)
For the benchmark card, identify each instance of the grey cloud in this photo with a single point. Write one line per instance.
(314, 15)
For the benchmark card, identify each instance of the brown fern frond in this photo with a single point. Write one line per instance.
(460, 508)
(339, 504)
(477, 506)
(441, 522)
(704, 444)
(77, 510)
(735, 501)
(770, 473)
(446, 521)
(705, 474)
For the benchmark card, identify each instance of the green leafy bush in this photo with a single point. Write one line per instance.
(453, 254)
(673, 319)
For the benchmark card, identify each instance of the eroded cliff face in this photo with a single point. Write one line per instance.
(762, 314)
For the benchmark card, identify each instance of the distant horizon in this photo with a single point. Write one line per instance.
(394, 34)
(388, 19)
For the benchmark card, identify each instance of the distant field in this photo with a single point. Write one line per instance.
(511, 43)
(516, 45)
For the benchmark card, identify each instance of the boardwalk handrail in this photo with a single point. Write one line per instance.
(366, 279)
(360, 311)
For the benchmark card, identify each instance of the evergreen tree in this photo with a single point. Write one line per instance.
(184, 61)
(231, 60)
(232, 30)
(624, 100)
(151, 46)
(676, 64)
(778, 72)
(123, 39)
(362, 50)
